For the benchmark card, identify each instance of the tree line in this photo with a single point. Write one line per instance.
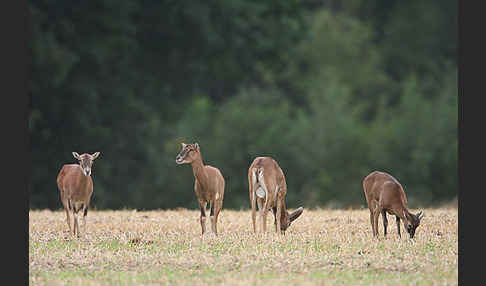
(332, 90)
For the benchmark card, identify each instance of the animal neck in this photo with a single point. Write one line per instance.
(408, 215)
(199, 172)
(83, 180)
(285, 213)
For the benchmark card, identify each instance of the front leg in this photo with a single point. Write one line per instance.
(274, 210)
(264, 219)
(85, 213)
(398, 226)
(266, 207)
(75, 227)
(202, 218)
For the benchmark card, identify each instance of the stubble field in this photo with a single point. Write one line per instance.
(322, 247)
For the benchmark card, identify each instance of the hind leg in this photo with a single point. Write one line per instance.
(372, 215)
(212, 206)
(219, 206)
(261, 208)
(253, 211)
(385, 221)
(251, 190)
(202, 218)
(68, 218)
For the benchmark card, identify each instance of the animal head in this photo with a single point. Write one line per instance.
(188, 154)
(287, 219)
(413, 223)
(86, 161)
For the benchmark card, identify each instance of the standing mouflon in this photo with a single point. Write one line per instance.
(208, 184)
(76, 187)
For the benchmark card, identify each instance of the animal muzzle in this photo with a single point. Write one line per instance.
(179, 160)
(87, 172)
(412, 233)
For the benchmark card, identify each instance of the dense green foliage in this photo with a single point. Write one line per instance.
(332, 91)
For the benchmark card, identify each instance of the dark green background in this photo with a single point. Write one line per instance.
(331, 89)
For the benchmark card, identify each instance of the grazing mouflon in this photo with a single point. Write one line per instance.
(385, 194)
(268, 188)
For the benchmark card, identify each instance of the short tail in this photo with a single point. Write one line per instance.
(257, 175)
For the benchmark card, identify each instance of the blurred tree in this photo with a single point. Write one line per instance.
(332, 90)
(115, 77)
(417, 141)
(77, 46)
(340, 48)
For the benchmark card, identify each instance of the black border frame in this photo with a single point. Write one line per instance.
(16, 174)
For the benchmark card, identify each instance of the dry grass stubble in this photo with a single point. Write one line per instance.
(322, 247)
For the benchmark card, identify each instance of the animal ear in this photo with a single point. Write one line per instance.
(76, 155)
(95, 155)
(197, 146)
(183, 145)
(420, 215)
(293, 216)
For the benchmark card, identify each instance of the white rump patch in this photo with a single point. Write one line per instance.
(261, 189)
(261, 192)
